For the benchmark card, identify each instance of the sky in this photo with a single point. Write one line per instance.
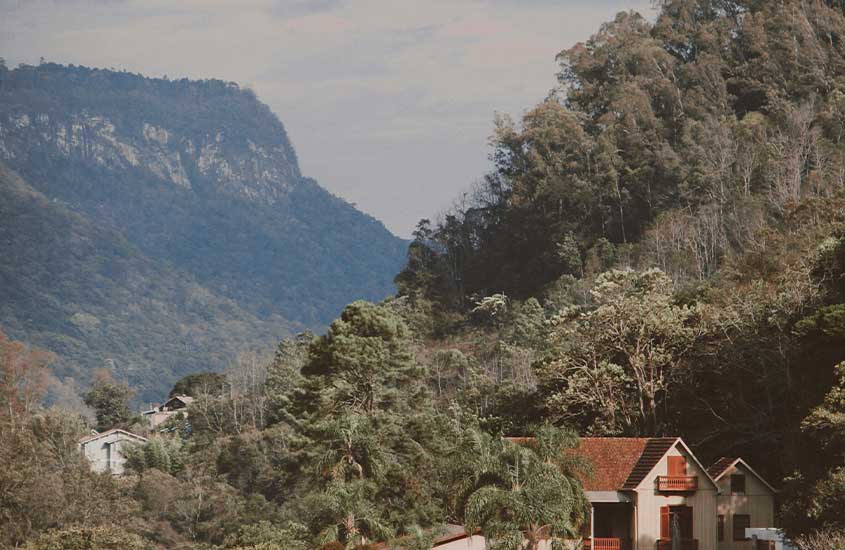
(389, 103)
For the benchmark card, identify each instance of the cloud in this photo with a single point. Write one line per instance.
(290, 9)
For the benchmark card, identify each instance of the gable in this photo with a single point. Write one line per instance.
(111, 435)
(655, 463)
(755, 484)
(653, 452)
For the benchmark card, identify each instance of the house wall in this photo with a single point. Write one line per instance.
(105, 453)
(758, 501)
(649, 501)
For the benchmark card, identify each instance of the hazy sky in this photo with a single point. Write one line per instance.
(389, 103)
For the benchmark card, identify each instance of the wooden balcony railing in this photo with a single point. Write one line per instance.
(605, 544)
(686, 544)
(677, 483)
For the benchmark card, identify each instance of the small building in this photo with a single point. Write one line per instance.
(159, 414)
(105, 451)
(746, 501)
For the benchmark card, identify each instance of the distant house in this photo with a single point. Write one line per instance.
(646, 493)
(746, 501)
(105, 451)
(159, 414)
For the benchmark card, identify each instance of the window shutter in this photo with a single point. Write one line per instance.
(665, 530)
(677, 466)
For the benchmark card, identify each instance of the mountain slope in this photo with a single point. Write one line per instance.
(175, 185)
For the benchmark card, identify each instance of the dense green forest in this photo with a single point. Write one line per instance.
(659, 248)
(172, 229)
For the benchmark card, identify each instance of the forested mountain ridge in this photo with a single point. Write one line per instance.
(198, 181)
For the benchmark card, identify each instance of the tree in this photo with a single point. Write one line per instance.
(110, 401)
(24, 376)
(351, 517)
(194, 385)
(284, 375)
(816, 496)
(614, 363)
(519, 493)
(106, 537)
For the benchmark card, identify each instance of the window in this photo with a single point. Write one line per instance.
(676, 520)
(721, 527)
(737, 483)
(741, 523)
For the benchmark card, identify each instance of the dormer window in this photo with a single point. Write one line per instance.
(737, 484)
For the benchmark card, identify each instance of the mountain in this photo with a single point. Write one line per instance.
(158, 226)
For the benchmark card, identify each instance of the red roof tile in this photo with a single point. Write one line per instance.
(612, 460)
(618, 463)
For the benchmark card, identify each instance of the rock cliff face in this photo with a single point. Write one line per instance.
(194, 180)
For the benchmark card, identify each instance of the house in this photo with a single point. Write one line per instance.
(105, 451)
(646, 492)
(159, 414)
(746, 501)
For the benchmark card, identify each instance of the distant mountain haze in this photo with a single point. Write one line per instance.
(156, 227)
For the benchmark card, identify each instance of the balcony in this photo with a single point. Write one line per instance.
(680, 484)
(686, 544)
(605, 544)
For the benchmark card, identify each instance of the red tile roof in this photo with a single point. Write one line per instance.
(618, 463)
(612, 460)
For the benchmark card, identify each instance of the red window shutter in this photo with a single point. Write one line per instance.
(665, 531)
(677, 466)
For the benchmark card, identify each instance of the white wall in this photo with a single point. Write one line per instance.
(649, 502)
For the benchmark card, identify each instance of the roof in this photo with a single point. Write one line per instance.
(92, 437)
(725, 464)
(653, 451)
(186, 399)
(620, 463)
(718, 468)
(612, 459)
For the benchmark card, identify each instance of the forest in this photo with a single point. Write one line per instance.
(657, 249)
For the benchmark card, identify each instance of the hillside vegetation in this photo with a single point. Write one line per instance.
(659, 248)
(173, 196)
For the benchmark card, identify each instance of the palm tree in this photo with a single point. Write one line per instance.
(520, 493)
(354, 519)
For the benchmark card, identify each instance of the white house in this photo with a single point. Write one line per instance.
(105, 450)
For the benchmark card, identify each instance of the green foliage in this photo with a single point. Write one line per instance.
(106, 537)
(194, 385)
(164, 453)
(614, 363)
(110, 401)
(266, 536)
(519, 493)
